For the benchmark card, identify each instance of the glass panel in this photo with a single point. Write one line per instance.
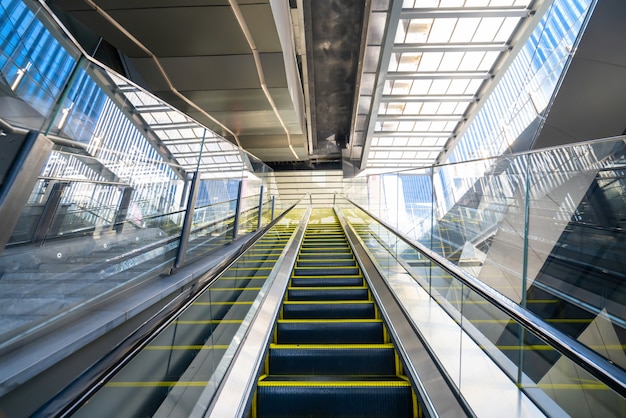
(190, 357)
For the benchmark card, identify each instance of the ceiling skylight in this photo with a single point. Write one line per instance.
(438, 63)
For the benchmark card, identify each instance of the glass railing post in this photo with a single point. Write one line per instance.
(122, 210)
(187, 222)
(237, 210)
(20, 178)
(273, 205)
(259, 217)
(49, 210)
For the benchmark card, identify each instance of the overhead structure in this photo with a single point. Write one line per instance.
(374, 84)
(426, 69)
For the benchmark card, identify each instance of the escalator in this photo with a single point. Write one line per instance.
(331, 354)
(169, 374)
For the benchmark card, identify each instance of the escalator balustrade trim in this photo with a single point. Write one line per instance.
(330, 352)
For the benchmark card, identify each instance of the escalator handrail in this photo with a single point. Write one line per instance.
(592, 362)
(84, 386)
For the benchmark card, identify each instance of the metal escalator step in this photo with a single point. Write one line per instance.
(325, 271)
(320, 262)
(328, 256)
(327, 281)
(328, 293)
(356, 331)
(325, 310)
(354, 360)
(334, 398)
(323, 250)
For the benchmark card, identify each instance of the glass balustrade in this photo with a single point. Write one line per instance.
(109, 208)
(468, 334)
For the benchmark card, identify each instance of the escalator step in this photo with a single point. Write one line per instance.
(328, 293)
(326, 281)
(366, 399)
(329, 332)
(323, 250)
(329, 256)
(325, 263)
(362, 359)
(342, 309)
(325, 271)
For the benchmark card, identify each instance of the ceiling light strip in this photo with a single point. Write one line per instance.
(119, 27)
(257, 61)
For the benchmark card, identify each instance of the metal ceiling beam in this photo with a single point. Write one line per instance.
(426, 118)
(465, 12)
(412, 134)
(392, 98)
(437, 75)
(457, 47)
(416, 148)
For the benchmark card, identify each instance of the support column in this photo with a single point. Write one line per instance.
(187, 222)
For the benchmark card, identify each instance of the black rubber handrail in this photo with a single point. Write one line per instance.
(598, 366)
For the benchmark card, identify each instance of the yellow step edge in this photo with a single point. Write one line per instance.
(332, 346)
(334, 384)
(327, 288)
(329, 302)
(325, 321)
(329, 276)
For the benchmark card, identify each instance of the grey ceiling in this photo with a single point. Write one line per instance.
(201, 46)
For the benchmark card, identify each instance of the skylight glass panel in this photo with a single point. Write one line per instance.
(451, 3)
(464, 30)
(487, 29)
(418, 31)
(439, 87)
(451, 61)
(448, 108)
(413, 108)
(429, 108)
(430, 61)
(421, 87)
(507, 29)
(400, 142)
(471, 61)
(406, 126)
(488, 60)
(441, 30)
(385, 141)
(409, 61)
(458, 86)
(401, 87)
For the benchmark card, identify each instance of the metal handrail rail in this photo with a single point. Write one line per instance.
(592, 362)
(84, 386)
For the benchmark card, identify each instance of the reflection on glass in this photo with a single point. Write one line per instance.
(187, 359)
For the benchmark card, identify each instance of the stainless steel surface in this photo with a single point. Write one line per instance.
(433, 387)
(236, 389)
(20, 180)
(588, 359)
(444, 349)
